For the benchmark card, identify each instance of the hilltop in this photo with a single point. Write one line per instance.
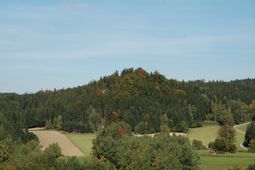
(136, 97)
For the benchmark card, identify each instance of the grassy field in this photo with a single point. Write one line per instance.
(225, 161)
(206, 134)
(208, 161)
(82, 141)
(47, 137)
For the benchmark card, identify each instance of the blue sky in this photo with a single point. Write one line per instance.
(58, 44)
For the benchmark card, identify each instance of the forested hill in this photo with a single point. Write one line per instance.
(141, 99)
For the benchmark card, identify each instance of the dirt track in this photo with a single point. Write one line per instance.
(47, 137)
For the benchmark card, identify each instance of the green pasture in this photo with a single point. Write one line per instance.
(206, 134)
(211, 161)
(83, 141)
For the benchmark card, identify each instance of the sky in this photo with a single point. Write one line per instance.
(47, 44)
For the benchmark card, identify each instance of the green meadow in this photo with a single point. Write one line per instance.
(211, 161)
(206, 134)
(83, 141)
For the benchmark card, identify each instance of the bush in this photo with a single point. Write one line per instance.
(221, 145)
(51, 153)
(235, 167)
(143, 128)
(231, 148)
(252, 146)
(251, 167)
(197, 144)
(28, 136)
(182, 127)
(250, 134)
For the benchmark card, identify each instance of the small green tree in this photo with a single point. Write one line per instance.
(251, 167)
(59, 122)
(164, 128)
(225, 141)
(48, 124)
(219, 145)
(250, 134)
(182, 127)
(252, 146)
(51, 153)
(94, 119)
(228, 133)
(197, 144)
(144, 127)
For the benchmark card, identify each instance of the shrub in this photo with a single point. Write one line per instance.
(221, 145)
(250, 134)
(252, 146)
(143, 128)
(182, 127)
(197, 144)
(251, 167)
(235, 167)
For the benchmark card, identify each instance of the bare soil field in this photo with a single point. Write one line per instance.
(47, 137)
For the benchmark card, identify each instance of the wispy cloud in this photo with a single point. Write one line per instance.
(74, 6)
(115, 47)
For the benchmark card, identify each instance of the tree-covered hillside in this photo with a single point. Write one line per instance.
(136, 97)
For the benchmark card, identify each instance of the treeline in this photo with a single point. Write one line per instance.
(138, 98)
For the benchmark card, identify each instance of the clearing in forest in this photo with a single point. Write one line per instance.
(208, 133)
(83, 141)
(47, 137)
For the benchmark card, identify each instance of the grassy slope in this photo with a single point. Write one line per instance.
(225, 161)
(243, 127)
(206, 134)
(208, 161)
(82, 141)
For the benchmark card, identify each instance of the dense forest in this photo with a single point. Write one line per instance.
(136, 97)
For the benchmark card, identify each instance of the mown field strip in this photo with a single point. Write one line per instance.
(83, 141)
(47, 137)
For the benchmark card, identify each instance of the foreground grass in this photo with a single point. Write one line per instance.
(225, 161)
(83, 141)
